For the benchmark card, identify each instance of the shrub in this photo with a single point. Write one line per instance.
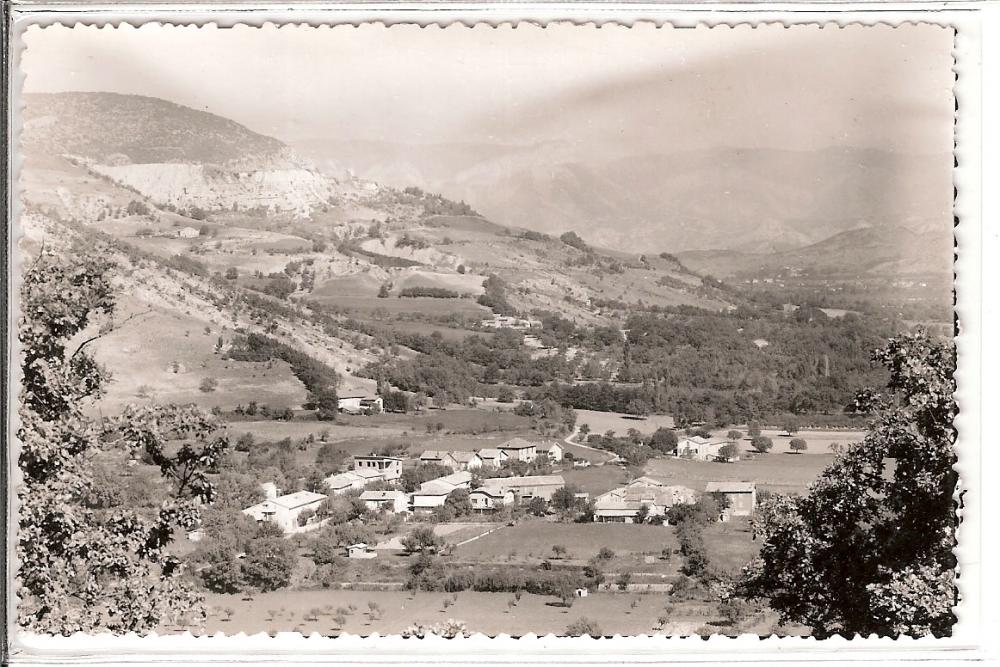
(208, 385)
(583, 626)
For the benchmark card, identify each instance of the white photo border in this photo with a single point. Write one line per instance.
(976, 631)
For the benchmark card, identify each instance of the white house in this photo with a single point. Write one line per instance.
(553, 450)
(487, 498)
(187, 233)
(284, 511)
(742, 496)
(492, 458)
(393, 501)
(467, 460)
(344, 482)
(390, 467)
(357, 404)
(519, 449)
(699, 448)
(527, 487)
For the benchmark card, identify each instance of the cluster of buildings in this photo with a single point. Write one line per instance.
(508, 322)
(515, 449)
(655, 498)
(366, 470)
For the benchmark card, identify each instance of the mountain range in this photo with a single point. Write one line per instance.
(746, 200)
(723, 211)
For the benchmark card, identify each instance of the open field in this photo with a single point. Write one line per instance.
(582, 540)
(487, 613)
(784, 473)
(296, 430)
(172, 369)
(428, 328)
(730, 545)
(601, 422)
(818, 441)
(463, 420)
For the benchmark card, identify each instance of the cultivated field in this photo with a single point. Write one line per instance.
(601, 422)
(535, 539)
(486, 613)
(784, 473)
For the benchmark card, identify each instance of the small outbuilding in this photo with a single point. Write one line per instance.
(361, 550)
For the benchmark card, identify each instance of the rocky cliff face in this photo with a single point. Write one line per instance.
(174, 155)
(294, 190)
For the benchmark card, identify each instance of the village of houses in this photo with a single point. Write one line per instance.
(471, 472)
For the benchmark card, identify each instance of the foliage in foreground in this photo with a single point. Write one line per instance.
(84, 568)
(869, 550)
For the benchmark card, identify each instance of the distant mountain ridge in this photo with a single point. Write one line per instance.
(749, 200)
(887, 250)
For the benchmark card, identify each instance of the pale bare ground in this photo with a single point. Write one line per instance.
(487, 613)
(601, 422)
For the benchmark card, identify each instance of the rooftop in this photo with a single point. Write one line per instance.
(382, 495)
(527, 480)
(298, 499)
(517, 443)
(343, 479)
(490, 453)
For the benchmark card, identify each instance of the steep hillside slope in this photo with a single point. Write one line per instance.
(109, 128)
(176, 156)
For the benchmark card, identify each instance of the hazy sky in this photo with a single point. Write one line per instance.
(639, 89)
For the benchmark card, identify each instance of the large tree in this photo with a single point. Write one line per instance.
(869, 549)
(86, 568)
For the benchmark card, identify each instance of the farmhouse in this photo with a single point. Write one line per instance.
(528, 487)
(487, 498)
(699, 448)
(624, 504)
(553, 450)
(492, 458)
(742, 496)
(440, 458)
(344, 482)
(283, 511)
(358, 404)
(393, 501)
(519, 449)
(467, 460)
(390, 467)
(187, 233)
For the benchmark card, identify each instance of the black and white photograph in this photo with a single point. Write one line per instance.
(570, 330)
